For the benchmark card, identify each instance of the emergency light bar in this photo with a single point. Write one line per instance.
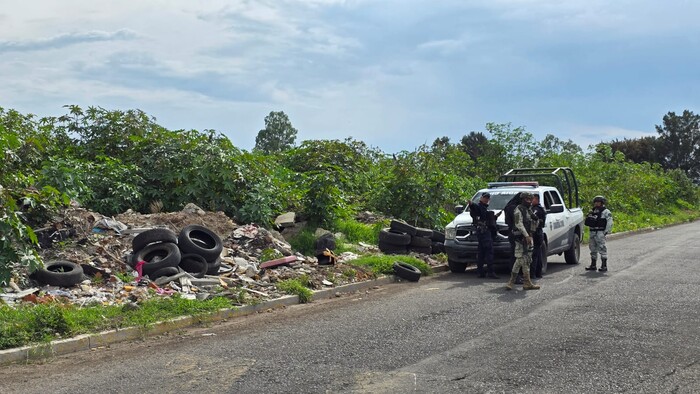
(507, 184)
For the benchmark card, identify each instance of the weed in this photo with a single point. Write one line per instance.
(297, 287)
(385, 264)
(269, 254)
(304, 242)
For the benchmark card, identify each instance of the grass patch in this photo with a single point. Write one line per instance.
(385, 264)
(27, 324)
(355, 231)
(304, 242)
(297, 286)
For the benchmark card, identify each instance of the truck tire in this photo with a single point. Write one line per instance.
(402, 227)
(60, 273)
(157, 256)
(421, 242)
(194, 264)
(200, 240)
(456, 267)
(406, 271)
(389, 236)
(151, 236)
(387, 248)
(574, 253)
(424, 232)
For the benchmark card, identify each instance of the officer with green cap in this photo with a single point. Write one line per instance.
(599, 220)
(525, 225)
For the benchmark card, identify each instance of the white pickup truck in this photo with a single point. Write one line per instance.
(563, 228)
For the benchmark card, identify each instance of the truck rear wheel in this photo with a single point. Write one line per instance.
(456, 267)
(572, 255)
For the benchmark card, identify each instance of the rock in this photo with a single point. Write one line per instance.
(193, 208)
(285, 220)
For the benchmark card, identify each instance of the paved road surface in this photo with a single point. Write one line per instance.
(635, 329)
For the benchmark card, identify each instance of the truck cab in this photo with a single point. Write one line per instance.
(563, 228)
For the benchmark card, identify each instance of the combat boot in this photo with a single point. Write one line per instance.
(592, 267)
(509, 285)
(527, 283)
(603, 265)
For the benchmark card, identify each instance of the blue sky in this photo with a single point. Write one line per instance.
(394, 74)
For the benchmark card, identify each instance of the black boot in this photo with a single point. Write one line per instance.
(603, 265)
(592, 267)
(480, 271)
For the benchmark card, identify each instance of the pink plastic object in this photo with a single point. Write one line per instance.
(278, 262)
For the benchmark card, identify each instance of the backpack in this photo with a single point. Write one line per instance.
(509, 211)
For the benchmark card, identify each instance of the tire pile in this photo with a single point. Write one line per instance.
(401, 238)
(196, 250)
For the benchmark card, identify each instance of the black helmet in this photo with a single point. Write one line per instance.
(600, 199)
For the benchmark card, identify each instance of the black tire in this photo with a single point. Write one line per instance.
(424, 232)
(573, 255)
(194, 264)
(323, 259)
(406, 271)
(157, 256)
(437, 248)
(402, 227)
(392, 249)
(421, 249)
(60, 273)
(456, 267)
(152, 236)
(389, 236)
(326, 241)
(438, 236)
(420, 242)
(166, 271)
(213, 267)
(200, 240)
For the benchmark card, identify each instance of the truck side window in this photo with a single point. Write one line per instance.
(547, 200)
(555, 198)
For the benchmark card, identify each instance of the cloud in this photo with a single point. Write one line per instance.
(64, 40)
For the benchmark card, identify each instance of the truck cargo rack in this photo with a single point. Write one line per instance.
(563, 178)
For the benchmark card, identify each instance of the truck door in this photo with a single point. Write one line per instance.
(556, 222)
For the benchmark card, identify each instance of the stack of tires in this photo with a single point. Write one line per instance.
(400, 238)
(195, 250)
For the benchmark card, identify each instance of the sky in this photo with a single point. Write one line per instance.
(395, 74)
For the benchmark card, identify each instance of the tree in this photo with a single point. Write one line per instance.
(278, 134)
(681, 142)
(640, 150)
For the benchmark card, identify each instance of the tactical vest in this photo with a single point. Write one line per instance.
(528, 222)
(595, 220)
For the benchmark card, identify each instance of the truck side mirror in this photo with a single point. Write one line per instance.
(556, 208)
(459, 209)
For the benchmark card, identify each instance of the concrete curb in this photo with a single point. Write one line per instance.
(106, 338)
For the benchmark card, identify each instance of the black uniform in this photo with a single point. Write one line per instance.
(537, 242)
(480, 217)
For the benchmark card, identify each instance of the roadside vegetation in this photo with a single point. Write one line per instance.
(109, 161)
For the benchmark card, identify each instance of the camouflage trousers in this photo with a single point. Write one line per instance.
(523, 258)
(596, 244)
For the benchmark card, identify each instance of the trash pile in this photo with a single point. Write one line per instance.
(91, 259)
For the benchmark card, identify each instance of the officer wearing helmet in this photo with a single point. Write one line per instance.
(599, 221)
(525, 226)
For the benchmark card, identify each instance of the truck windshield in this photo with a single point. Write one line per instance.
(498, 199)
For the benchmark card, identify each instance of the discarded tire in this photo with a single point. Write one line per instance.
(213, 267)
(421, 242)
(326, 241)
(167, 271)
(60, 273)
(402, 227)
(438, 236)
(194, 264)
(152, 236)
(424, 232)
(200, 240)
(387, 248)
(157, 256)
(421, 249)
(406, 271)
(394, 237)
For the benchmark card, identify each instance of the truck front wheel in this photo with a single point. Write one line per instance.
(456, 267)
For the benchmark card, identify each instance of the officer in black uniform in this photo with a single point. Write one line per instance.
(484, 222)
(538, 237)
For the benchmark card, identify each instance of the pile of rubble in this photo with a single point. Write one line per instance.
(252, 261)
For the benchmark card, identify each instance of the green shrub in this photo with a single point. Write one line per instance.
(297, 286)
(385, 264)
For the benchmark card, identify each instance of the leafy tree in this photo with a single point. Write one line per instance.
(639, 150)
(278, 134)
(681, 142)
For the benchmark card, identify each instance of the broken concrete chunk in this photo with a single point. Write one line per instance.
(285, 219)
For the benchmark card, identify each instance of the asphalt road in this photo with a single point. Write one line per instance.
(634, 329)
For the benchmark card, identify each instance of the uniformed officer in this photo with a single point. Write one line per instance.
(538, 237)
(482, 218)
(600, 222)
(526, 224)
